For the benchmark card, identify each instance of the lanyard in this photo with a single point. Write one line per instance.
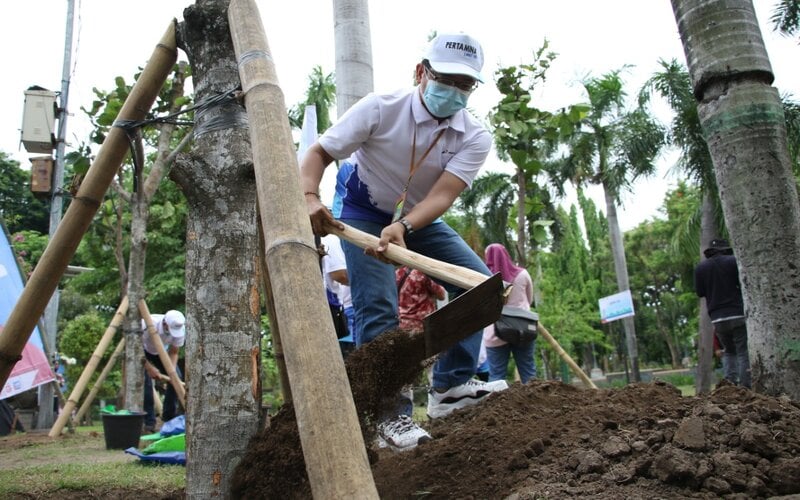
(412, 168)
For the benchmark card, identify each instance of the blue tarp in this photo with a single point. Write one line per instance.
(174, 426)
(164, 457)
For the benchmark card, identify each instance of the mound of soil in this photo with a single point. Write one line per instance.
(551, 440)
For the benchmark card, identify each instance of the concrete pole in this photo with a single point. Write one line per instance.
(46, 392)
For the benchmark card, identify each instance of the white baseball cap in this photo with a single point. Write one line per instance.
(456, 54)
(176, 323)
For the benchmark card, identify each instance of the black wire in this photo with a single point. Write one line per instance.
(217, 100)
(129, 126)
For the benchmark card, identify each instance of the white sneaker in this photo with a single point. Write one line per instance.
(401, 434)
(469, 393)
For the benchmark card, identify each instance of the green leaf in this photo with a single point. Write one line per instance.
(578, 112)
(519, 157)
(106, 119)
(539, 234)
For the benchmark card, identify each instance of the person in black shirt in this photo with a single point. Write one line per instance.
(717, 279)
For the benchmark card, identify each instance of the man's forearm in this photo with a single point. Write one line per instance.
(312, 167)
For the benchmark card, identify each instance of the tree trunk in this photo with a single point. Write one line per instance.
(705, 342)
(621, 270)
(353, 47)
(522, 256)
(666, 334)
(134, 352)
(140, 213)
(222, 303)
(744, 125)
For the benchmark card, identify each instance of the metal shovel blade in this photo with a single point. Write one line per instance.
(471, 311)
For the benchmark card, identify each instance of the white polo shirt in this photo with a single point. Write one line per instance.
(335, 261)
(377, 134)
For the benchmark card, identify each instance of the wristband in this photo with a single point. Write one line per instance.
(407, 225)
(313, 193)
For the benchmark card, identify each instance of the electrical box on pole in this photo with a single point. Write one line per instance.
(38, 120)
(41, 175)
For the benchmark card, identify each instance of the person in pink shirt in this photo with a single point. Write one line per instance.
(498, 352)
(416, 297)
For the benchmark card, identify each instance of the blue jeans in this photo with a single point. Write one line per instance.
(170, 407)
(347, 344)
(374, 293)
(732, 334)
(523, 357)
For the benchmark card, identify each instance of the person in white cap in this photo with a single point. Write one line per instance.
(407, 157)
(171, 329)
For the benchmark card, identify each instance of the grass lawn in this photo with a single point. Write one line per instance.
(33, 465)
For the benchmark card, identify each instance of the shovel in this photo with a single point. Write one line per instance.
(480, 305)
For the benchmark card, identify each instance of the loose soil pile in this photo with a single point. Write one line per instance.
(551, 440)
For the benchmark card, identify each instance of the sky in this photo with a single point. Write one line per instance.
(114, 38)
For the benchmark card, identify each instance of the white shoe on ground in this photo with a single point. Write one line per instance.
(469, 393)
(401, 434)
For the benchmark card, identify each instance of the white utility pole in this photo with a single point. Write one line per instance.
(46, 392)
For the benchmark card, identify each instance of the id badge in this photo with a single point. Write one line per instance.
(398, 208)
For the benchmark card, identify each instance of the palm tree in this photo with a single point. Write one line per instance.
(490, 201)
(320, 94)
(745, 129)
(786, 17)
(353, 46)
(675, 86)
(612, 148)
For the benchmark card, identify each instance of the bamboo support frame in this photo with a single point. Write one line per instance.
(91, 366)
(274, 328)
(87, 402)
(566, 357)
(64, 243)
(333, 446)
(174, 379)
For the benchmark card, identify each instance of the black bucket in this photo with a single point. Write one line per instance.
(122, 431)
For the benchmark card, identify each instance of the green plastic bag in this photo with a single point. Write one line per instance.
(112, 410)
(172, 443)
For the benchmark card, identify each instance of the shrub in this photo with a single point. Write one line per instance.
(79, 340)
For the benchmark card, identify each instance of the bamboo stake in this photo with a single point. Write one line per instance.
(174, 379)
(274, 328)
(87, 402)
(91, 366)
(566, 357)
(333, 446)
(63, 244)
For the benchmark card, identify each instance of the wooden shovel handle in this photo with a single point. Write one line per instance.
(461, 277)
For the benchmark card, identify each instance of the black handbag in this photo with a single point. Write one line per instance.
(517, 325)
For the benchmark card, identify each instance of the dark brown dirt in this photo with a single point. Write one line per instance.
(551, 440)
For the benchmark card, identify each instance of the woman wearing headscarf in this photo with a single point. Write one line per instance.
(497, 351)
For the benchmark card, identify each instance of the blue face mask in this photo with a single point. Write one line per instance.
(443, 100)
